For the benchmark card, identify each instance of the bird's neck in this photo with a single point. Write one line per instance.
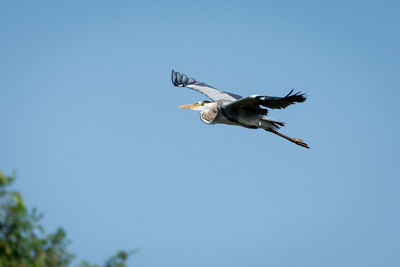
(210, 112)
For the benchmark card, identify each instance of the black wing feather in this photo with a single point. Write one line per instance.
(253, 103)
(281, 102)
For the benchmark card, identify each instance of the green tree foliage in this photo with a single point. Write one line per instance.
(23, 241)
(115, 261)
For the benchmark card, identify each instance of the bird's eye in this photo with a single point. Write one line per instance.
(201, 103)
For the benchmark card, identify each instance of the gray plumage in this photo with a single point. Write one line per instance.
(228, 108)
(182, 80)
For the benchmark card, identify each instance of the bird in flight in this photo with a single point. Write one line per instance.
(232, 109)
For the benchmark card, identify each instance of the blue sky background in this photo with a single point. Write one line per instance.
(89, 121)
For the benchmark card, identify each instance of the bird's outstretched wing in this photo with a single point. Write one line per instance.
(182, 80)
(254, 101)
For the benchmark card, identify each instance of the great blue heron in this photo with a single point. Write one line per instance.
(228, 108)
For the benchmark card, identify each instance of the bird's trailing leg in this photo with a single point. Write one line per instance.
(294, 140)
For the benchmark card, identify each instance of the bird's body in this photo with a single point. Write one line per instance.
(215, 112)
(232, 109)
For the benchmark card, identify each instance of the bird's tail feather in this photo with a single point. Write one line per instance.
(267, 123)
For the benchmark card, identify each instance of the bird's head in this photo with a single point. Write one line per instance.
(202, 105)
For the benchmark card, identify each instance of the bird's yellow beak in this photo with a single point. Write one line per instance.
(189, 106)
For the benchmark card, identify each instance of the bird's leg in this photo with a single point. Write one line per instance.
(294, 140)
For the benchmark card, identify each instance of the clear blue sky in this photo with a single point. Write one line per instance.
(89, 121)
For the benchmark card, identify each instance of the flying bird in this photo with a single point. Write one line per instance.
(232, 109)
